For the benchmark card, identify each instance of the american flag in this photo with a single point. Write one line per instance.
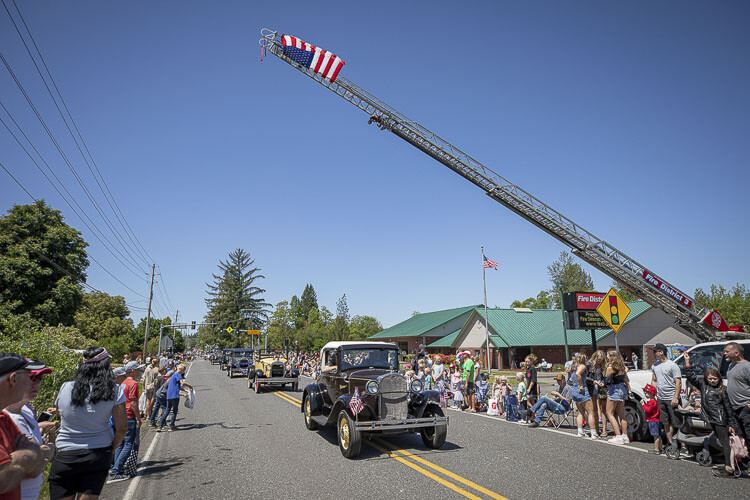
(356, 404)
(489, 263)
(321, 61)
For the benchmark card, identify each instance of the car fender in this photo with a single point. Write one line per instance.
(316, 399)
(428, 397)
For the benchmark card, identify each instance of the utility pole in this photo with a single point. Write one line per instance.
(565, 330)
(148, 316)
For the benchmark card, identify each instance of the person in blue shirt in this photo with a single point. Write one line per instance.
(176, 383)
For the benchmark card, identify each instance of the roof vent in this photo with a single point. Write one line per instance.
(522, 310)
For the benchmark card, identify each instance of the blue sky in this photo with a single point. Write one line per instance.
(631, 118)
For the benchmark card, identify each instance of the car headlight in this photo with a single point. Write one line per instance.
(416, 385)
(372, 387)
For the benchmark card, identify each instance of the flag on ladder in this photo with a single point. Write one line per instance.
(356, 404)
(321, 61)
(489, 263)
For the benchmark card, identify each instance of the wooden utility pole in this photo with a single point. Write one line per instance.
(148, 316)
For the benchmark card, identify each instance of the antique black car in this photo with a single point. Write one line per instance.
(225, 353)
(240, 362)
(390, 405)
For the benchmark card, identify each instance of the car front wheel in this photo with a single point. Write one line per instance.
(636, 419)
(434, 437)
(309, 422)
(350, 439)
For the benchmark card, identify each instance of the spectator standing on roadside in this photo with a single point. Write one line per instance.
(532, 386)
(738, 387)
(580, 394)
(651, 410)
(597, 368)
(468, 379)
(85, 440)
(176, 383)
(160, 396)
(149, 383)
(440, 376)
(666, 377)
(716, 409)
(24, 417)
(132, 441)
(634, 358)
(19, 458)
(616, 377)
(458, 397)
(521, 392)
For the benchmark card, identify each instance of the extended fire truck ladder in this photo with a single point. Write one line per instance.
(600, 254)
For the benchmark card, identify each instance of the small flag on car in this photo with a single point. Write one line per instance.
(489, 263)
(320, 61)
(356, 404)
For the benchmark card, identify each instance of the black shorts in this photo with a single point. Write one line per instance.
(666, 414)
(470, 388)
(79, 471)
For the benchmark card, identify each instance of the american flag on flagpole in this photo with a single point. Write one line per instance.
(487, 263)
(356, 404)
(320, 61)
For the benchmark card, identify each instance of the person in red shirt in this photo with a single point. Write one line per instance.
(651, 409)
(124, 377)
(19, 457)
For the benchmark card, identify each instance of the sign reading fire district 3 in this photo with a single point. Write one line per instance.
(614, 310)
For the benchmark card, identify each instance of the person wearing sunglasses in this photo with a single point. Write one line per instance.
(19, 457)
(24, 417)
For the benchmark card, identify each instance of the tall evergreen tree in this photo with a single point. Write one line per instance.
(308, 300)
(570, 275)
(233, 298)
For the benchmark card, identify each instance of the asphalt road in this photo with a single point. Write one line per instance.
(235, 443)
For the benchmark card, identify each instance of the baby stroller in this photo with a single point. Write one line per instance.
(698, 437)
(511, 408)
(481, 395)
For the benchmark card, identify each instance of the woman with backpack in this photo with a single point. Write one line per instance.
(715, 410)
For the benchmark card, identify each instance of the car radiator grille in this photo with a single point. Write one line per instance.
(393, 397)
(277, 370)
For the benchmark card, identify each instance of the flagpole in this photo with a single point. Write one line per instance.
(486, 318)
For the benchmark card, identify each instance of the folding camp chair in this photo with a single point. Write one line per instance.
(557, 420)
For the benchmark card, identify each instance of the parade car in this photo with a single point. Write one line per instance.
(387, 405)
(272, 369)
(224, 359)
(240, 362)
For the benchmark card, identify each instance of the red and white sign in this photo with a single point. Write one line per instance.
(714, 319)
(737, 328)
(589, 300)
(667, 289)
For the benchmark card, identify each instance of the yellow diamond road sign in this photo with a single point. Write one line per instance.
(229, 329)
(614, 310)
(253, 332)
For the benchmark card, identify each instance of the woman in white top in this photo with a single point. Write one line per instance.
(86, 441)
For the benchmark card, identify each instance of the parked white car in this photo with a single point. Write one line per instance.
(701, 356)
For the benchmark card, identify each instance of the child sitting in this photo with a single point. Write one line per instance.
(694, 400)
(651, 409)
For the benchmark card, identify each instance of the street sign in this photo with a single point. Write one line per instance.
(614, 310)
(585, 320)
(253, 332)
(577, 301)
(230, 329)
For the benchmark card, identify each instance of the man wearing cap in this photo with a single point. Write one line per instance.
(19, 457)
(25, 419)
(666, 377)
(124, 377)
(559, 405)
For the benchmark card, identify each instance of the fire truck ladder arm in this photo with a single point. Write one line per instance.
(598, 253)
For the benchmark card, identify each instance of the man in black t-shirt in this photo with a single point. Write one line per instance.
(532, 387)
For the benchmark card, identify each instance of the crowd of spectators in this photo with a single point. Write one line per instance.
(91, 435)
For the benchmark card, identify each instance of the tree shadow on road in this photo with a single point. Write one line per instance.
(187, 427)
(151, 467)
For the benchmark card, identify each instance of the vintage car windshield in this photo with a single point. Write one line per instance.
(386, 359)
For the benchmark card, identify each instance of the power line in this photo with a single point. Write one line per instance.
(17, 181)
(70, 115)
(64, 156)
(126, 265)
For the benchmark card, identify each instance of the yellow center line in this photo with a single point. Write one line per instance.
(399, 455)
(446, 472)
(284, 397)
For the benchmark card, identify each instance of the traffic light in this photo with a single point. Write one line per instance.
(193, 325)
(614, 311)
(286, 343)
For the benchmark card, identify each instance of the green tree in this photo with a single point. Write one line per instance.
(154, 326)
(234, 299)
(623, 292)
(281, 325)
(734, 304)
(308, 300)
(42, 264)
(363, 327)
(543, 300)
(570, 275)
(102, 315)
(340, 328)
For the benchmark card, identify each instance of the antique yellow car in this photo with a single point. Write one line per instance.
(272, 369)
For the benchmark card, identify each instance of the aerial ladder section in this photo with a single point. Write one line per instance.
(624, 270)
